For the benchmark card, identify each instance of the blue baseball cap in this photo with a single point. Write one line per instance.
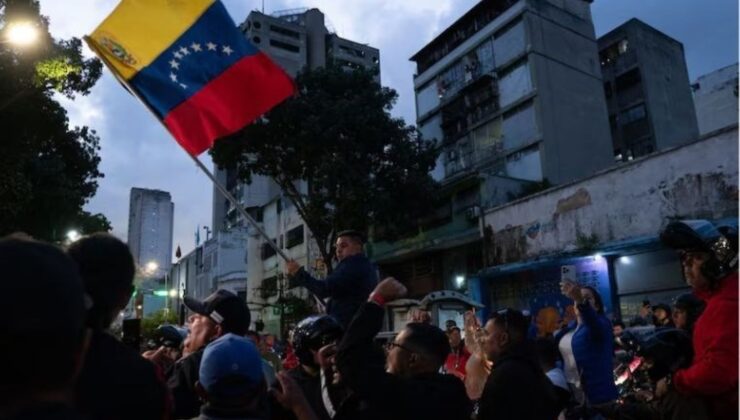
(231, 365)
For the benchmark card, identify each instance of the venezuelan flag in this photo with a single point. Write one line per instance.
(191, 65)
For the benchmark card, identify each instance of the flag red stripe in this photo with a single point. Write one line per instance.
(243, 92)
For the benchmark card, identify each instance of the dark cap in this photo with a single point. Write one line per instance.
(225, 309)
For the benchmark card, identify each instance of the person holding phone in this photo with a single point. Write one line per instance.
(586, 348)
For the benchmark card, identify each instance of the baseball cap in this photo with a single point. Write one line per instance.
(231, 365)
(225, 309)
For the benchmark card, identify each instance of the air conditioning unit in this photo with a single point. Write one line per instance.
(472, 213)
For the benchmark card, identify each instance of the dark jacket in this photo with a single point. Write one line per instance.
(347, 287)
(713, 373)
(518, 389)
(181, 378)
(311, 387)
(117, 383)
(385, 396)
(47, 411)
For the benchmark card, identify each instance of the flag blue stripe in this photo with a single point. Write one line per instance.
(204, 51)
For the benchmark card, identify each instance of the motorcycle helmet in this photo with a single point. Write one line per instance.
(668, 349)
(702, 236)
(313, 333)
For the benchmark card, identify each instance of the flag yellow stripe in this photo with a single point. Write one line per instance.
(137, 31)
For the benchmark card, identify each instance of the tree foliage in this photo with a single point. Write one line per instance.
(359, 166)
(48, 170)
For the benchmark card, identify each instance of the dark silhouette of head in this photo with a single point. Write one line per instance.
(107, 269)
(43, 331)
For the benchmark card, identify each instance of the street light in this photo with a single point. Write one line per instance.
(73, 235)
(151, 267)
(21, 34)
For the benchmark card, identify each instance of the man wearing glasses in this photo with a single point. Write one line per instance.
(405, 383)
(517, 387)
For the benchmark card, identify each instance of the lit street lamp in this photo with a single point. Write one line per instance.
(73, 235)
(151, 267)
(21, 34)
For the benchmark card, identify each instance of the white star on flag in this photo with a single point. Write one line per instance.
(174, 64)
(211, 46)
(184, 51)
(227, 50)
(173, 76)
(195, 46)
(184, 86)
(178, 55)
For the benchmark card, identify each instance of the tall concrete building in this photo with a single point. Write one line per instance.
(647, 90)
(715, 99)
(150, 223)
(512, 94)
(296, 40)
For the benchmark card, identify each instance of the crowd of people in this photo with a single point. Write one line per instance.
(62, 361)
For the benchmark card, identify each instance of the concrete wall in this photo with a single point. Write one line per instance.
(667, 88)
(715, 99)
(572, 112)
(698, 180)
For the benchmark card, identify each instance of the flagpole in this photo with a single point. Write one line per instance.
(91, 43)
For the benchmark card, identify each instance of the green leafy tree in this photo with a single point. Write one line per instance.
(361, 166)
(48, 170)
(149, 324)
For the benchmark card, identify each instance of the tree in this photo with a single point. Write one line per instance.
(48, 171)
(359, 166)
(150, 324)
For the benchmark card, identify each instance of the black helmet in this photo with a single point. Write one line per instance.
(313, 333)
(668, 349)
(703, 236)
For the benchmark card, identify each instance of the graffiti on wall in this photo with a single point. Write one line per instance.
(538, 290)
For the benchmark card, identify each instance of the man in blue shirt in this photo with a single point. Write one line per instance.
(349, 285)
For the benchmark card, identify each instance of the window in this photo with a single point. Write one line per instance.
(509, 42)
(610, 54)
(294, 237)
(431, 129)
(514, 84)
(520, 126)
(628, 79)
(633, 114)
(623, 46)
(284, 46)
(285, 32)
(525, 165)
(485, 55)
(257, 25)
(427, 98)
(267, 251)
(256, 39)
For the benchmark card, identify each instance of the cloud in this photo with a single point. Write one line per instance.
(138, 152)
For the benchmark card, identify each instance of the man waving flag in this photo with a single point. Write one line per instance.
(192, 67)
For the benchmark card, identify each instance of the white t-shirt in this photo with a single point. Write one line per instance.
(572, 376)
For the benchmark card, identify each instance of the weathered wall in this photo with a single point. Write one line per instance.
(698, 180)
